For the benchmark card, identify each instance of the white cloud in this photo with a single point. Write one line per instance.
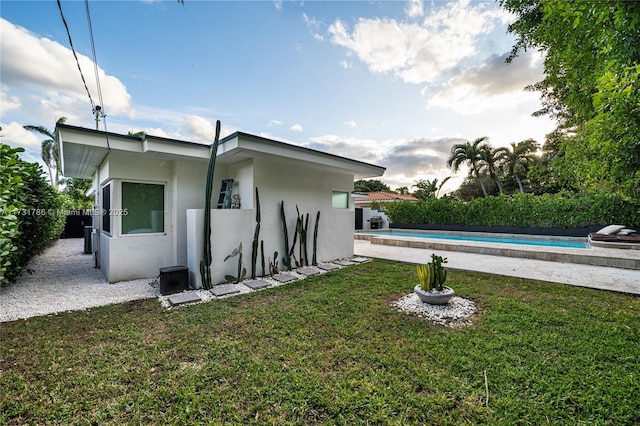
(314, 26)
(200, 128)
(350, 123)
(15, 133)
(274, 123)
(8, 102)
(360, 149)
(346, 65)
(414, 8)
(419, 52)
(297, 128)
(491, 85)
(277, 4)
(42, 76)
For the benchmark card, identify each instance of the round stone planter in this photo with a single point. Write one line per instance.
(434, 297)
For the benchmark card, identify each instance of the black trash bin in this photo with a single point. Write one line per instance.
(174, 279)
(87, 240)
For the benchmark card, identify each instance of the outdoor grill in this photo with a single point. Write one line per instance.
(376, 222)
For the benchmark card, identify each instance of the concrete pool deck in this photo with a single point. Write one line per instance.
(583, 275)
(596, 256)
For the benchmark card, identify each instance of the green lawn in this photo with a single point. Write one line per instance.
(331, 350)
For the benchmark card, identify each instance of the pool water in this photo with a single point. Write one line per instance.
(514, 239)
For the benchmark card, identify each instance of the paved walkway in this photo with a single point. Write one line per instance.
(599, 277)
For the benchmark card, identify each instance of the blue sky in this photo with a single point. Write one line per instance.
(394, 83)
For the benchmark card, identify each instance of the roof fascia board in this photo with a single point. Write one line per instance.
(259, 144)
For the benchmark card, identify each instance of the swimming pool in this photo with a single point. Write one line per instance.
(529, 240)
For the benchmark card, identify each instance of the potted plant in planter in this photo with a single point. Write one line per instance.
(432, 277)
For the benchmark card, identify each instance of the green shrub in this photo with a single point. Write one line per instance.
(31, 215)
(520, 210)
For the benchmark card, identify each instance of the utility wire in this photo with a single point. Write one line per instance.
(64, 21)
(99, 112)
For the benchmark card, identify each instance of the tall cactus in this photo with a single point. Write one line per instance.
(287, 255)
(205, 263)
(314, 261)
(256, 236)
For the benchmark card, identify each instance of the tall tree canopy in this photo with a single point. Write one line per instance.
(470, 153)
(370, 185)
(591, 84)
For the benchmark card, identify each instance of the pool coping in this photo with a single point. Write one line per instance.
(597, 256)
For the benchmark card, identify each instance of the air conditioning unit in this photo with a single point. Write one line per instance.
(174, 279)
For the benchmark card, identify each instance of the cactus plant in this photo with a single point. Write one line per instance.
(242, 272)
(256, 235)
(205, 263)
(287, 255)
(314, 260)
(262, 257)
(432, 275)
(273, 266)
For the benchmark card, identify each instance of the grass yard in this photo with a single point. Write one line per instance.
(331, 350)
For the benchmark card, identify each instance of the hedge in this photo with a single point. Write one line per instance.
(31, 212)
(520, 210)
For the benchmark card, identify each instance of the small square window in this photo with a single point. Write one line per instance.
(340, 200)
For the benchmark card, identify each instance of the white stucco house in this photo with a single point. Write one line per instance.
(152, 190)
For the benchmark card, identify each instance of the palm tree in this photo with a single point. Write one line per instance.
(426, 188)
(469, 153)
(429, 189)
(517, 159)
(441, 185)
(50, 150)
(403, 190)
(490, 163)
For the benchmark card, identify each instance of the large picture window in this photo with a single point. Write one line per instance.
(142, 208)
(340, 200)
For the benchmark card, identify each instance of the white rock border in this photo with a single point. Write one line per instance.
(459, 312)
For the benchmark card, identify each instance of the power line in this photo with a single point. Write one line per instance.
(99, 109)
(64, 21)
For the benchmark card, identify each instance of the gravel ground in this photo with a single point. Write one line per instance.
(63, 279)
(457, 313)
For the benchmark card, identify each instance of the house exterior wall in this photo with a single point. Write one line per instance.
(128, 257)
(308, 188)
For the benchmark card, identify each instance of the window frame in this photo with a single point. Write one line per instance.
(107, 195)
(346, 197)
(125, 210)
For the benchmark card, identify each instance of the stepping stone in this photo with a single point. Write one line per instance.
(224, 289)
(328, 266)
(345, 263)
(184, 298)
(284, 278)
(256, 284)
(308, 271)
(360, 259)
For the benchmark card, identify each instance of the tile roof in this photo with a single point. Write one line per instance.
(384, 196)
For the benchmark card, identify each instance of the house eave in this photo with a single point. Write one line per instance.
(83, 151)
